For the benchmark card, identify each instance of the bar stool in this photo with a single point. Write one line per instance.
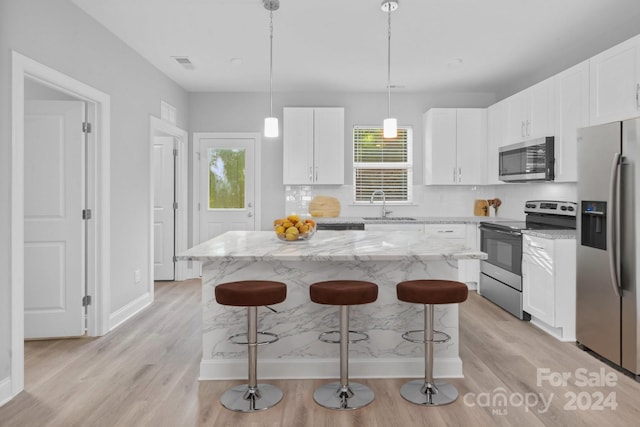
(343, 395)
(251, 397)
(430, 392)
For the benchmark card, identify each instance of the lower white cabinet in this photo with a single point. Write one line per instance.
(549, 284)
(464, 234)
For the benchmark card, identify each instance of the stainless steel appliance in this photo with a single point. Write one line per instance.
(501, 272)
(607, 299)
(527, 161)
(339, 226)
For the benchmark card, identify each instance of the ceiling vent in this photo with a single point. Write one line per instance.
(184, 61)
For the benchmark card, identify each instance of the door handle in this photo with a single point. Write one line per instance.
(612, 225)
(638, 95)
(310, 173)
(528, 127)
(249, 214)
(316, 172)
(249, 205)
(459, 174)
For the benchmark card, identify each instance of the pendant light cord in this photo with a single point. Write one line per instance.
(271, 63)
(389, 58)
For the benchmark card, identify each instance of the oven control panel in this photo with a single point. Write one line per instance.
(549, 206)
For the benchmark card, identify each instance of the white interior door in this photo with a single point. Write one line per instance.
(227, 185)
(54, 249)
(163, 207)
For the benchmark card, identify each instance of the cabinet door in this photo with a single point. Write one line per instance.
(540, 120)
(440, 166)
(572, 112)
(471, 145)
(329, 146)
(297, 144)
(496, 138)
(615, 80)
(517, 114)
(538, 284)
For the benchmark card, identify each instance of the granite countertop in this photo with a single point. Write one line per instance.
(552, 234)
(418, 220)
(328, 245)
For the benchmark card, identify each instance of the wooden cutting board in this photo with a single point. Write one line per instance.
(324, 206)
(481, 208)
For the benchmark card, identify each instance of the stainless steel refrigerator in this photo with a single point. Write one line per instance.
(608, 234)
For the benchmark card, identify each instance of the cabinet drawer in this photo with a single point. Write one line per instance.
(445, 231)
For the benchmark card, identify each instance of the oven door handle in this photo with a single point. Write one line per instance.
(511, 233)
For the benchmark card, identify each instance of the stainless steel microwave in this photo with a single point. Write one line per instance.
(527, 161)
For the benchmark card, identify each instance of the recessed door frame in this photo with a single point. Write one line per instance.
(197, 136)
(98, 251)
(183, 269)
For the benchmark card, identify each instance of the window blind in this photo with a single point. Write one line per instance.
(382, 164)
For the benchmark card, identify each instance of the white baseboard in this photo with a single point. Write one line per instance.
(233, 369)
(561, 334)
(123, 314)
(5, 391)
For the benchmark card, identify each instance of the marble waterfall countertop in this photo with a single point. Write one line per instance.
(328, 245)
(415, 220)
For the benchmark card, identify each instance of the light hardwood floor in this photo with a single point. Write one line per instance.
(145, 373)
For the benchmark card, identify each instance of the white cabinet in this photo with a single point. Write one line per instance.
(615, 83)
(530, 113)
(313, 146)
(549, 284)
(463, 234)
(418, 228)
(454, 143)
(496, 138)
(572, 112)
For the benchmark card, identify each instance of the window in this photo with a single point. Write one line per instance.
(382, 164)
(226, 178)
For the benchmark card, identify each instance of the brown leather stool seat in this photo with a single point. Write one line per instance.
(251, 293)
(432, 291)
(430, 392)
(343, 395)
(343, 292)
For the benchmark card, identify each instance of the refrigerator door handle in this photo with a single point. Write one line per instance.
(612, 225)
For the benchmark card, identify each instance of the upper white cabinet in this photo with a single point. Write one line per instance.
(572, 112)
(530, 113)
(454, 144)
(496, 138)
(615, 83)
(313, 146)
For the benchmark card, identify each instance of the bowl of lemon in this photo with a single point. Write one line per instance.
(294, 229)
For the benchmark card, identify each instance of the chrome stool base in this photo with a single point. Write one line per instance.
(419, 392)
(336, 396)
(244, 399)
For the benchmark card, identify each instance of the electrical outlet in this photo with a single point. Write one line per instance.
(137, 276)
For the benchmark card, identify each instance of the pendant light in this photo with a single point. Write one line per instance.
(390, 124)
(271, 122)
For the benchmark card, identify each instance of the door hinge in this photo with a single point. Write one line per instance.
(175, 258)
(198, 205)
(86, 214)
(198, 153)
(175, 206)
(86, 127)
(86, 300)
(175, 152)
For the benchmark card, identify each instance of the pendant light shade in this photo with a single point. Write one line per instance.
(271, 122)
(390, 126)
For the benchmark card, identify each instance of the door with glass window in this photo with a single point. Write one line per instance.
(227, 185)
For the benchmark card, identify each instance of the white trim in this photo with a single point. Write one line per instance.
(233, 369)
(197, 136)
(98, 314)
(158, 127)
(123, 314)
(5, 391)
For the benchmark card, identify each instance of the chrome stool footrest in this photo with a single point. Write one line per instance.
(439, 337)
(233, 338)
(323, 337)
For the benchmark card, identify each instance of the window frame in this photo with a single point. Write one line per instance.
(408, 166)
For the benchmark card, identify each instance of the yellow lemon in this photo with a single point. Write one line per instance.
(278, 221)
(292, 230)
(310, 221)
(280, 229)
(291, 236)
(293, 218)
(304, 228)
(287, 224)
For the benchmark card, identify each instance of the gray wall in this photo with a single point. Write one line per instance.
(245, 112)
(61, 36)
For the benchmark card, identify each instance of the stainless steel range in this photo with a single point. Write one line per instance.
(501, 272)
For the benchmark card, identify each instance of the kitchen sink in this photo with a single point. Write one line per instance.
(389, 218)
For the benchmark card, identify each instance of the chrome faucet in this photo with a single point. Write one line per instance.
(384, 202)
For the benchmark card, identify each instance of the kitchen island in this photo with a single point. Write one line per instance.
(381, 257)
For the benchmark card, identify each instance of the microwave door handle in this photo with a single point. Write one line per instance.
(612, 224)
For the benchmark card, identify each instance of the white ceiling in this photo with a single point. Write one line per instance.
(340, 45)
